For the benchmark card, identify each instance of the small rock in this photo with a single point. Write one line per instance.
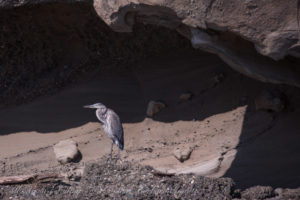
(291, 193)
(251, 4)
(1, 194)
(154, 107)
(185, 96)
(149, 149)
(219, 78)
(182, 154)
(278, 192)
(269, 102)
(258, 192)
(66, 151)
(236, 194)
(75, 173)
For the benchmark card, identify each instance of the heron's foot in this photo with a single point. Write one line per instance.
(108, 161)
(112, 159)
(117, 159)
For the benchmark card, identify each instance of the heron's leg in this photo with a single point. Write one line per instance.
(110, 155)
(111, 150)
(118, 157)
(118, 154)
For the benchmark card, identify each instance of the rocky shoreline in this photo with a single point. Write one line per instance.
(125, 180)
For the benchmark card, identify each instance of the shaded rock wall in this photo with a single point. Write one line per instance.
(51, 45)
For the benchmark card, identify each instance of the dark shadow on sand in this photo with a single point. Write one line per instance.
(269, 150)
(128, 94)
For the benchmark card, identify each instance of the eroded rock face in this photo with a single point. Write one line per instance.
(239, 32)
(271, 26)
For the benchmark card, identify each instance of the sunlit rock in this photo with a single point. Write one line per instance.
(66, 151)
(182, 154)
(154, 107)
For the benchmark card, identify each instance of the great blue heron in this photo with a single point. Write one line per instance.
(111, 124)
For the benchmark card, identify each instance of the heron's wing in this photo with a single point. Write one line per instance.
(116, 127)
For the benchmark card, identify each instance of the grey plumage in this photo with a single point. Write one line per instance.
(111, 124)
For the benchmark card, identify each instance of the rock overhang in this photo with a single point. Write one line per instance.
(256, 38)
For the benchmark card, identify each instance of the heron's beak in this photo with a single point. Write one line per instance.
(89, 106)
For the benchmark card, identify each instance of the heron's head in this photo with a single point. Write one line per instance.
(99, 106)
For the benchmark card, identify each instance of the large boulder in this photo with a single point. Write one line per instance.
(249, 35)
(66, 151)
(271, 26)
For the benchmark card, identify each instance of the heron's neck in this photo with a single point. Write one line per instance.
(101, 116)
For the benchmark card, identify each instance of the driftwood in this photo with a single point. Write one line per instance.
(16, 179)
(33, 178)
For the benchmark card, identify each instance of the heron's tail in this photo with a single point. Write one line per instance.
(120, 144)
